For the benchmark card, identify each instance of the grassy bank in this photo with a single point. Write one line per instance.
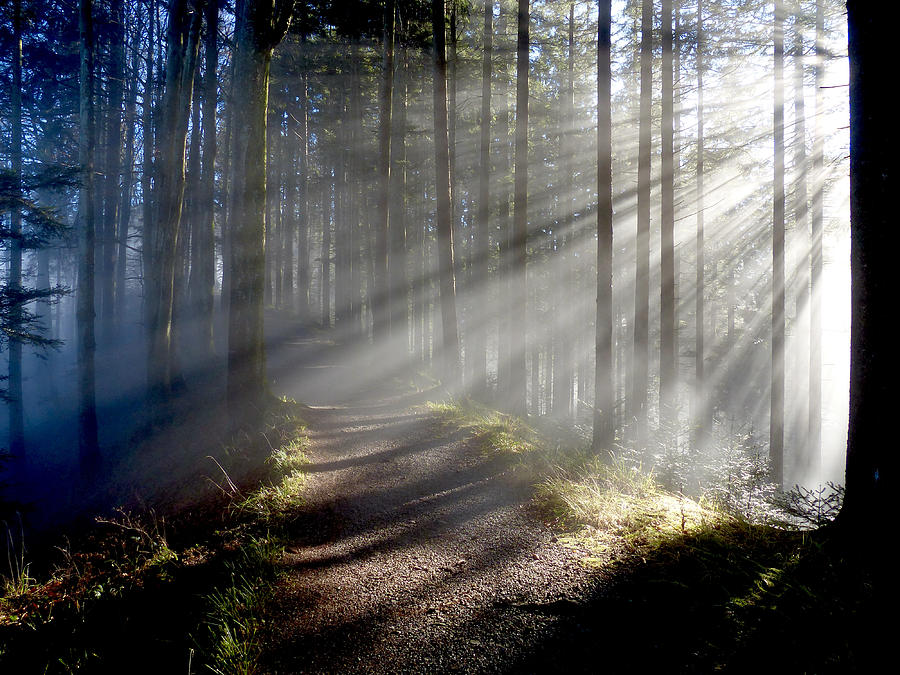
(143, 593)
(684, 584)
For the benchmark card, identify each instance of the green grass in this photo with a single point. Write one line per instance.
(493, 431)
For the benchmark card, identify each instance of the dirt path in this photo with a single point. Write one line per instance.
(424, 555)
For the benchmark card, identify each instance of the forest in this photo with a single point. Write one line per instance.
(407, 336)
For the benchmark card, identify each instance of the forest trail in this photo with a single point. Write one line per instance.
(422, 554)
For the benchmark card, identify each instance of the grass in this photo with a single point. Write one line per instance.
(147, 594)
(693, 586)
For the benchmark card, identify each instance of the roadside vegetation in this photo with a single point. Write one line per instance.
(696, 583)
(141, 592)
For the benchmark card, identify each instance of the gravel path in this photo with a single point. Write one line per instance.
(423, 556)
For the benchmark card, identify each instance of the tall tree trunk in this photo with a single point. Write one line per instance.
(667, 369)
(478, 332)
(87, 405)
(127, 172)
(518, 381)
(147, 121)
(776, 420)
(303, 273)
(260, 26)
(397, 270)
(382, 301)
(642, 267)
(182, 37)
(871, 462)
(14, 391)
(450, 361)
(814, 435)
(203, 251)
(504, 233)
(604, 414)
(327, 184)
(801, 239)
(702, 411)
(112, 163)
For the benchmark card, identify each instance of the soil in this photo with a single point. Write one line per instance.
(418, 552)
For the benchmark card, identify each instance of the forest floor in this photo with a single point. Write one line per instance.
(386, 538)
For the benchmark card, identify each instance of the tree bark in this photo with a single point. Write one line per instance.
(814, 435)
(604, 415)
(382, 301)
(260, 26)
(871, 460)
(642, 266)
(478, 332)
(449, 357)
(776, 419)
(87, 405)
(667, 369)
(182, 39)
(518, 381)
(14, 386)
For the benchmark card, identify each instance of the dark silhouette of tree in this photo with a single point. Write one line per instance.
(519, 244)
(667, 363)
(604, 415)
(259, 27)
(450, 345)
(871, 461)
(87, 397)
(639, 363)
(776, 419)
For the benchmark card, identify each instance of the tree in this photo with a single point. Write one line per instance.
(667, 366)
(871, 464)
(203, 253)
(604, 415)
(16, 409)
(478, 333)
(182, 40)
(87, 398)
(382, 302)
(259, 27)
(519, 245)
(642, 265)
(776, 418)
(450, 357)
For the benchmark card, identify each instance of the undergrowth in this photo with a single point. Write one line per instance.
(144, 593)
(693, 580)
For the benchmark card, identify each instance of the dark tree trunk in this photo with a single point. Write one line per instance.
(701, 409)
(303, 273)
(87, 405)
(399, 319)
(871, 460)
(478, 333)
(182, 38)
(450, 361)
(112, 164)
(641, 357)
(260, 26)
(127, 172)
(667, 369)
(382, 301)
(776, 420)
(604, 417)
(520, 218)
(814, 436)
(14, 386)
(203, 251)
